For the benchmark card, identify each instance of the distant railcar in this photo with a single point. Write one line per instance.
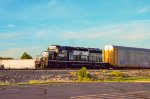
(126, 57)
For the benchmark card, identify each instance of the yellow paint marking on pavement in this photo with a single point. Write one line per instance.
(133, 95)
(12, 89)
(136, 92)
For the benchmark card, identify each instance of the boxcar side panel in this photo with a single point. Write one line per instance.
(133, 57)
(116, 57)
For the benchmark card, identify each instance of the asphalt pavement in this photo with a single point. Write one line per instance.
(77, 91)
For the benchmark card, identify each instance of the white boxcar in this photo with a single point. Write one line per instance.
(127, 56)
(18, 64)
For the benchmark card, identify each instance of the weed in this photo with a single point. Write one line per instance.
(73, 73)
(84, 75)
(116, 74)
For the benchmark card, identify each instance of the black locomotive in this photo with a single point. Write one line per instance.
(71, 57)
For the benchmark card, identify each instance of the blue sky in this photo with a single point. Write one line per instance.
(33, 25)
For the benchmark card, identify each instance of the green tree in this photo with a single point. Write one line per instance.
(26, 56)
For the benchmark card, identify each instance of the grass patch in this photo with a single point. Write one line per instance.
(128, 79)
(116, 74)
(116, 79)
(4, 84)
(40, 82)
(32, 82)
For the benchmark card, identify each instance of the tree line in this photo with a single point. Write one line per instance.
(6, 58)
(25, 55)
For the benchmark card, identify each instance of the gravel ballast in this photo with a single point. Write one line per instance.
(24, 76)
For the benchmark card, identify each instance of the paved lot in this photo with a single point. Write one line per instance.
(77, 91)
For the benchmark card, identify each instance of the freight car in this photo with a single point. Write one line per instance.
(58, 56)
(126, 57)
